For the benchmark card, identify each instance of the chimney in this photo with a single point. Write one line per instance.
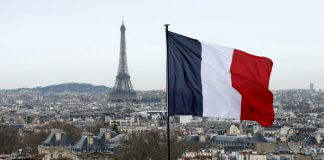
(107, 135)
(58, 136)
(90, 140)
(202, 138)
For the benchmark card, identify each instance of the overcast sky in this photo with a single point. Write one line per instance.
(50, 42)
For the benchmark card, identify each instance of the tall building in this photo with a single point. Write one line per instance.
(311, 86)
(123, 90)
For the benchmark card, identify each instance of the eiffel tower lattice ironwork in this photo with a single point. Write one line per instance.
(123, 90)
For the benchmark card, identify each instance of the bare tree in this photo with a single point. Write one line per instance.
(9, 138)
(152, 145)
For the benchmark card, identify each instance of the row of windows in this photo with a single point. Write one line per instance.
(227, 143)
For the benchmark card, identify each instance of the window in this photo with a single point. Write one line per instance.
(52, 156)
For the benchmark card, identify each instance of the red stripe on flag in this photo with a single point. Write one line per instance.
(250, 77)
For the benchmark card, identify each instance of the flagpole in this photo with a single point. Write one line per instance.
(167, 87)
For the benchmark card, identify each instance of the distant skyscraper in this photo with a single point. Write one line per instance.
(123, 90)
(311, 86)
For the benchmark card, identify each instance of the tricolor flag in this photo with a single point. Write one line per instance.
(213, 81)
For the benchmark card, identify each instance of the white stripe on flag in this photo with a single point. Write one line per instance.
(220, 99)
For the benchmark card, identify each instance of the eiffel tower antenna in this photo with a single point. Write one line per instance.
(123, 90)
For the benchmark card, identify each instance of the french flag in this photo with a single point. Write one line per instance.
(213, 81)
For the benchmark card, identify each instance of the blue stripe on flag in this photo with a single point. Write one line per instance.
(184, 78)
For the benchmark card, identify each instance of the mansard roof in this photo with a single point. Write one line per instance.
(258, 137)
(57, 138)
(89, 143)
(84, 144)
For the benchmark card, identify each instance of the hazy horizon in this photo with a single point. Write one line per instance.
(53, 42)
(113, 86)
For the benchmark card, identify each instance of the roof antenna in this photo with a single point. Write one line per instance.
(123, 20)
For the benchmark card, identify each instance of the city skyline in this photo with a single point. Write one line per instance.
(52, 42)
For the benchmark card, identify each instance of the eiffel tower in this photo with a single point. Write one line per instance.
(123, 90)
